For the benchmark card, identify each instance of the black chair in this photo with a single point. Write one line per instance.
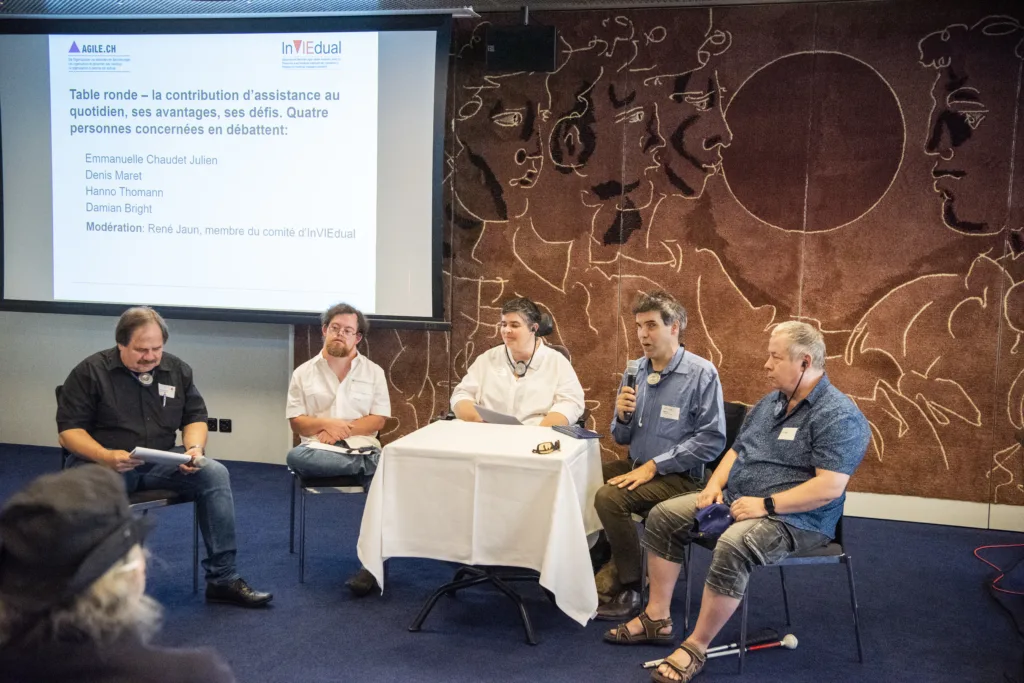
(833, 553)
(735, 413)
(305, 485)
(143, 501)
(582, 421)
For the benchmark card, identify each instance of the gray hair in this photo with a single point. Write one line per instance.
(114, 604)
(133, 319)
(671, 310)
(804, 340)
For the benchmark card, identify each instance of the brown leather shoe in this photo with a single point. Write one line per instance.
(238, 593)
(622, 607)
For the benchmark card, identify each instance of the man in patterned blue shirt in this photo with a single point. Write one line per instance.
(674, 422)
(785, 482)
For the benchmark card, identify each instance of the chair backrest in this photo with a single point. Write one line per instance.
(562, 350)
(63, 451)
(735, 413)
(582, 421)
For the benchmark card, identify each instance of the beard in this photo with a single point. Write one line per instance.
(338, 349)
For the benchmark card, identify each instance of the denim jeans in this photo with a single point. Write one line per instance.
(210, 487)
(316, 462)
(754, 541)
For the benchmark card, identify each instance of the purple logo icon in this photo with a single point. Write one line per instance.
(74, 47)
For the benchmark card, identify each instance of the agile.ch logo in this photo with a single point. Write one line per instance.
(87, 49)
(310, 48)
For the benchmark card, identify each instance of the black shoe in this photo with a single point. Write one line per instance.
(362, 583)
(622, 607)
(238, 593)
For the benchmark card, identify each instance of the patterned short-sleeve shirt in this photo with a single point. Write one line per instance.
(776, 452)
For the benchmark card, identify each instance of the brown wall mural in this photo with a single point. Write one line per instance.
(856, 165)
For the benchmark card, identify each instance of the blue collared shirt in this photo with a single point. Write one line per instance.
(776, 452)
(680, 423)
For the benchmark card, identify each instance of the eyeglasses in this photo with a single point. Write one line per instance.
(342, 331)
(548, 447)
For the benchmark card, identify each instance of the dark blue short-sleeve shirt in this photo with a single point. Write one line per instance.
(776, 452)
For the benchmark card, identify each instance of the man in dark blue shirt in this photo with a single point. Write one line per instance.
(785, 483)
(674, 422)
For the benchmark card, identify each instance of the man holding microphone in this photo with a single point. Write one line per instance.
(670, 411)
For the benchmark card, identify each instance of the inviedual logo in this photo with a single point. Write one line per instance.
(310, 47)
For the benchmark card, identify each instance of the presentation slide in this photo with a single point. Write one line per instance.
(242, 171)
(196, 147)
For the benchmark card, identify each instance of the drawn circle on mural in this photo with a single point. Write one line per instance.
(842, 170)
(1014, 306)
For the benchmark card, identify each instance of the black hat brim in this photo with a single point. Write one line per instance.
(25, 591)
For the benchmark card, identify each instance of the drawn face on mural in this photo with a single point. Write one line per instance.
(680, 66)
(696, 131)
(498, 152)
(587, 141)
(971, 125)
(628, 124)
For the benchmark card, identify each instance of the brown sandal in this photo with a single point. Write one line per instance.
(686, 673)
(650, 636)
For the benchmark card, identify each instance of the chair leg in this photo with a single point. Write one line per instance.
(853, 603)
(195, 547)
(302, 536)
(743, 627)
(645, 581)
(291, 518)
(785, 595)
(689, 576)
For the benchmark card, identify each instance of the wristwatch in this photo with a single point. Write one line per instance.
(769, 505)
(202, 451)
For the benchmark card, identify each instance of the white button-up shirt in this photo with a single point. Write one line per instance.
(316, 391)
(550, 385)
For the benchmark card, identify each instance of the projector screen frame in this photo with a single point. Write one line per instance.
(441, 23)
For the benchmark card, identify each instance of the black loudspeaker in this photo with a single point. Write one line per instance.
(521, 48)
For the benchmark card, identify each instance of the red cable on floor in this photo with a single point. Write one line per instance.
(999, 578)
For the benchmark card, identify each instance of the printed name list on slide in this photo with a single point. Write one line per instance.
(231, 171)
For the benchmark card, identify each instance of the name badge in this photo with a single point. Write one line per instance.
(670, 412)
(165, 390)
(787, 434)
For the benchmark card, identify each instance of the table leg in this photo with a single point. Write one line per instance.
(450, 587)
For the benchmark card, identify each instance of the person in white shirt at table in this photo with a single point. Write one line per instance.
(522, 377)
(339, 397)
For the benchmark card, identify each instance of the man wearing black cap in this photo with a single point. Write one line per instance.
(136, 395)
(72, 589)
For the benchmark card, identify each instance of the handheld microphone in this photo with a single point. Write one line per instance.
(632, 367)
(197, 461)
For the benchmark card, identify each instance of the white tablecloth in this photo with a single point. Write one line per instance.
(475, 494)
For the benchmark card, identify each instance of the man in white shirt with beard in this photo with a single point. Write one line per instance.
(339, 397)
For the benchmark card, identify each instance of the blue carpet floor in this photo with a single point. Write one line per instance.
(926, 614)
